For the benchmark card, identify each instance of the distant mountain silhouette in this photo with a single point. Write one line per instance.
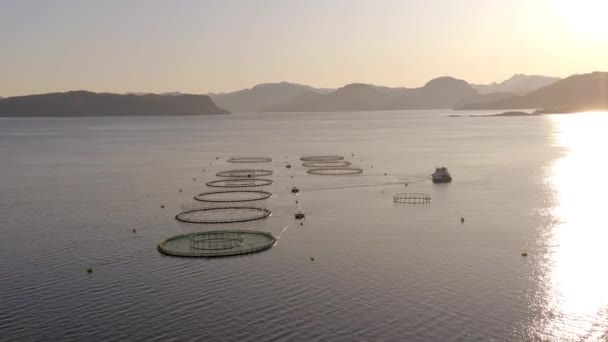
(519, 84)
(264, 97)
(84, 103)
(443, 92)
(576, 93)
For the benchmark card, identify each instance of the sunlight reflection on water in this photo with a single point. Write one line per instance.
(575, 279)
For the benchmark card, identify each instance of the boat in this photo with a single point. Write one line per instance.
(441, 175)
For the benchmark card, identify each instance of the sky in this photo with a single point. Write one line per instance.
(200, 46)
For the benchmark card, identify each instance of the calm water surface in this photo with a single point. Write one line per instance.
(72, 190)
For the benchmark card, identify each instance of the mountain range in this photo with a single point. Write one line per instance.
(519, 84)
(575, 93)
(84, 103)
(439, 93)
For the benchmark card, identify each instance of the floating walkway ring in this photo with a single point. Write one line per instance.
(335, 171)
(223, 215)
(239, 183)
(412, 198)
(249, 160)
(318, 164)
(233, 196)
(321, 158)
(245, 173)
(217, 243)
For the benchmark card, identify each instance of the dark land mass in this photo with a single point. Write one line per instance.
(266, 97)
(440, 93)
(519, 84)
(577, 93)
(84, 103)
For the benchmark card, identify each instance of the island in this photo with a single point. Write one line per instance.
(85, 103)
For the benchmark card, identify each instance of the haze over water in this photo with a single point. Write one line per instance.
(73, 190)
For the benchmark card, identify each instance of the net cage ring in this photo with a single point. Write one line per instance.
(258, 214)
(245, 196)
(329, 163)
(218, 243)
(246, 160)
(335, 171)
(245, 173)
(412, 198)
(322, 158)
(239, 183)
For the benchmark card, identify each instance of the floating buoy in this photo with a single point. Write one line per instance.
(299, 216)
(372, 166)
(524, 254)
(203, 170)
(194, 179)
(89, 270)
(462, 220)
(385, 174)
(217, 158)
(162, 207)
(312, 259)
(295, 190)
(353, 154)
(301, 223)
(180, 190)
(288, 166)
(134, 230)
(296, 201)
(405, 184)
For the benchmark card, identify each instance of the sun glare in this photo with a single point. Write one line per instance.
(586, 17)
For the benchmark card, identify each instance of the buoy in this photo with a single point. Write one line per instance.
(405, 184)
(89, 270)
(134, 230)
(162, 206)
(353, 154)
(288, 166)
(203, 170)
(312, 259)
(385, 174)
(301, 223)
(295, 190)
(299, 216)
(296, 201)
(194, 179)
(524, 254)
(180, 190)
(462, 220)
(217, 158)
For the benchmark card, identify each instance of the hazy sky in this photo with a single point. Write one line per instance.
(202, 46)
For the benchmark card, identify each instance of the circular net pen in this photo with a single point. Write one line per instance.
(217, 243)
(324, 158)
(319, 164)
(223, 215)
(412, 198)
(233, 196)
(249, 160)
(245, 173)
(239, 183)
(336, 171)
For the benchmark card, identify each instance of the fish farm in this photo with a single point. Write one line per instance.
(319, 164)
(323, 158)
(412, 198)
(217, 243)
(335, 171)
(233, 196)
(246, 160)
(245, 173)
(223, 215)
(239, 183)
